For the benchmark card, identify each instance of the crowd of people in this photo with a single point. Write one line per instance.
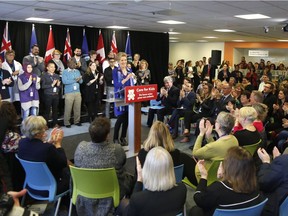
(229, 113)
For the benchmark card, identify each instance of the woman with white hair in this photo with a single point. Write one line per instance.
(249, 134)
(162, 196)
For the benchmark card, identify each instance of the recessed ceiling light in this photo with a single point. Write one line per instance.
(252, 16)
(201, 41)
(282, 40)
(117, 27)
(173, 41)
(174, 33)
(238, 40)
(173, 38)
(38, 19)
(224, 30)
(171, 22)
(209, 37)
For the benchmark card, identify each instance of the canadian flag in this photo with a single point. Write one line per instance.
(100, 48)
(114, 44)
(50, 47)
(67, 50)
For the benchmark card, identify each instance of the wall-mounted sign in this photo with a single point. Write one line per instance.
(258, 53)
(140, 93)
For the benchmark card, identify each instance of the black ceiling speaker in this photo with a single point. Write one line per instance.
(285, 28)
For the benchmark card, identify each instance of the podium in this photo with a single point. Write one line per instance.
(133, 96)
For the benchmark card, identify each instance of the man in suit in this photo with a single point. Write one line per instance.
(224, 100)
(168, 96)
(209, 71)
(269, 97)
(80, 62)
(35, 60)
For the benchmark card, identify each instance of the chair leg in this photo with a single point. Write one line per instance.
(58, 205)
(70, 208)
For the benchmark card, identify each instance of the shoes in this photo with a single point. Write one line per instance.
(79, 124)
(174, 136)
(185, 140)
(123, 141)
(68, 126)
(116, 141)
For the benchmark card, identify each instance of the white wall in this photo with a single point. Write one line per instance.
(192, 51)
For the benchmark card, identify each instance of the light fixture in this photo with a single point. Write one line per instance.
(252, 16)
(38, 19)
(117, 27)
(173, 41)
(238, 40)
(173, 38)
(224, 30)
(171, 22)
(266, 29)
(174, 33)
(210, 37)
(282, 40)
(201, 41)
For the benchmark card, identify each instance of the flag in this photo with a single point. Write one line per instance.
(114, 44)
(33, 38)
(100, 48)
(50, 47)
(67, 49)
(6, 43)
(128, 48)
(85, 49)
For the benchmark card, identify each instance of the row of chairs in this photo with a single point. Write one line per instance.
(39, 177)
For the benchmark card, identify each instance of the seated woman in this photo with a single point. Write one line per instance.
(249, 134)
(162, 196)
(159, 135)
(237, 189)
(214, 149)
(97, 154)
(272, 178)
(34, 147)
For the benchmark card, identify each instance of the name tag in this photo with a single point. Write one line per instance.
(112, 82)
(96, 86)
(75, 87)
(54, 89)
(31, 94)
(3, 87)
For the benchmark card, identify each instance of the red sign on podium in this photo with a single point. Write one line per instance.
(140, 93)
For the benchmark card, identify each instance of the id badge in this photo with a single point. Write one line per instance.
(54, 89)
(96, 86)
(75, 87)
(3, 87)
(112, 82)
(31, 94)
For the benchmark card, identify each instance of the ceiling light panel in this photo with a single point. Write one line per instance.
(252, 16)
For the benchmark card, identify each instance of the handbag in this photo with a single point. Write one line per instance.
(10, 143)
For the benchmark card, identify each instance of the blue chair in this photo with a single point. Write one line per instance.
(179, 172)
(39, 178)
(284, 208)
(250, 211)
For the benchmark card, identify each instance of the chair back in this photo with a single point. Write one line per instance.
(155, 103)
(95, 184)
(250, 211)
(39, 177)
(252, 148)
(284, 207)
(212, 171)
(179, 172)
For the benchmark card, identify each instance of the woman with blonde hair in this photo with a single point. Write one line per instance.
(248, 135)
(143, 75)
(158, 179)
(237, 188)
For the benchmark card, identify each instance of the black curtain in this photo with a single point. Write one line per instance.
(153, 47)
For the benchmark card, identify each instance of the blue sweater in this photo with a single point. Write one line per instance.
(69, 80)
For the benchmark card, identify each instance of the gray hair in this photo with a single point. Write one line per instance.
(168, 79)
(32, 126)
(226, 122)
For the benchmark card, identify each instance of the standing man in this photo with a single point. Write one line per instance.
(79, 61)
(51, 85)
(109, 85)
(35, 60)
(72, 79)
(269, 97)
